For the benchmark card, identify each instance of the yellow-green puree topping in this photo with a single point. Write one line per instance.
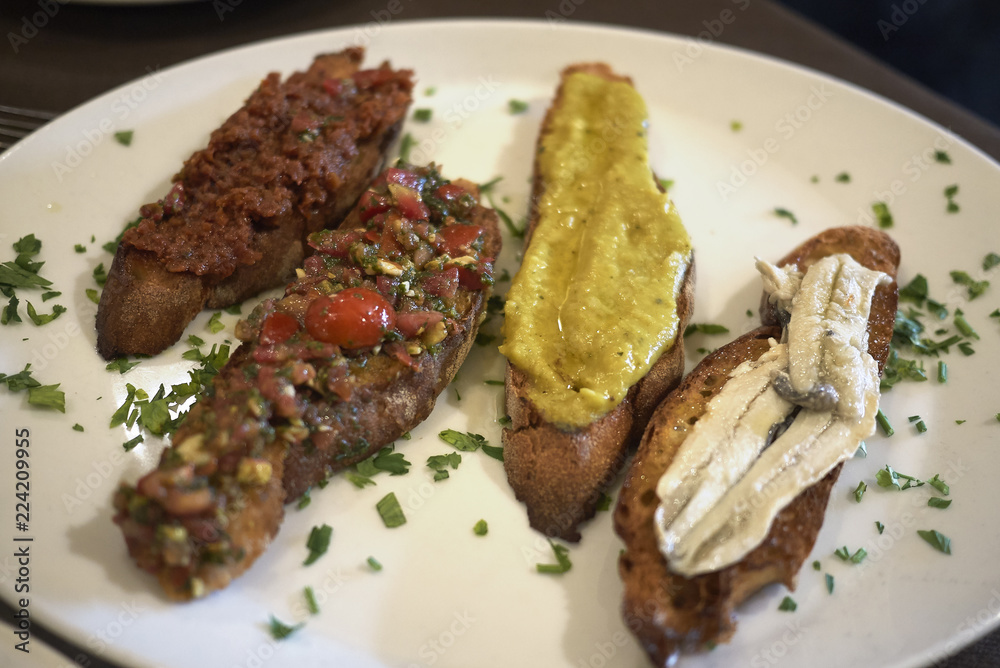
(594, 303)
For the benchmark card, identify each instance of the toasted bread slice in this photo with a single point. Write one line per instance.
(560, 474)
(289, 408)
(292, 161)
(670, 613)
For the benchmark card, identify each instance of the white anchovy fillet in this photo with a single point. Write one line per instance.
(721, 493)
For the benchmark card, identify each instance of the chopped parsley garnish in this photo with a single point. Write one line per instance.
(235, 309)
(491, 381)
(705, 328)
(405, 146)
(318, 543)
(939, 485)
(788, 604)
(304, 501)
(860, 491)
(124, 137)
(80, 248)
(47, 396)
(949, 194)
(816, 565)
(440, 463)
(882, 215)
(311, 601)
(990, 261)
(843, 177)
(879, 527)
(390, 511)
(735, 126)
(506, 422)
(845, 555)
(423, 115)
(942, 157)
(78, 427)
(829, 583)
(121, 365)
(480, 528)
(430, 91)
(280, 630)
(517, 232)
(494, 451)
(938, 502)
(393, 463)
(517, 106)
(467, 442)
(215, 323)
(604, 502)
(92, 295)
(976, 288)
(785, 213)
(666, 184)
(132, 442)
(374, 564)
(942, 371)
(915, 291)
(562, 564)
(43, 318)
(936, 539)
(883, 422)
(100, 275)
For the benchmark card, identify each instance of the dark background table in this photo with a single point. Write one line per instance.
(57, 62)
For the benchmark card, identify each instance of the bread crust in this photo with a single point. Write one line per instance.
(560, 475)
(669, 613)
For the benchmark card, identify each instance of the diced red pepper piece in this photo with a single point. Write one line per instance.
(372, 203)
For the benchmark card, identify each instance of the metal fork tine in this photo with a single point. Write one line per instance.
(30, 113)
(17, 123)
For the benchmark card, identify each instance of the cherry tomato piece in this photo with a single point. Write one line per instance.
(352, 318)
(456, 240)
(408, 202)
(277, 328)
(372, 203)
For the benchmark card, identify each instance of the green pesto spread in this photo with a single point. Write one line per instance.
(594, 303)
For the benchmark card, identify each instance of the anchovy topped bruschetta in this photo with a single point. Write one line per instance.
(291, 161)
(353, 356)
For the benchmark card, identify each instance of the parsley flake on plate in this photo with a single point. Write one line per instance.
(480, 528)
(788, 604)
(280, 630)
(390, 511)
(785, 213)
(882, 215)
(936, 539)
(318, 543)
(562, 564)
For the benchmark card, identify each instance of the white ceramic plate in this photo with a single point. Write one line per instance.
(447, 597)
